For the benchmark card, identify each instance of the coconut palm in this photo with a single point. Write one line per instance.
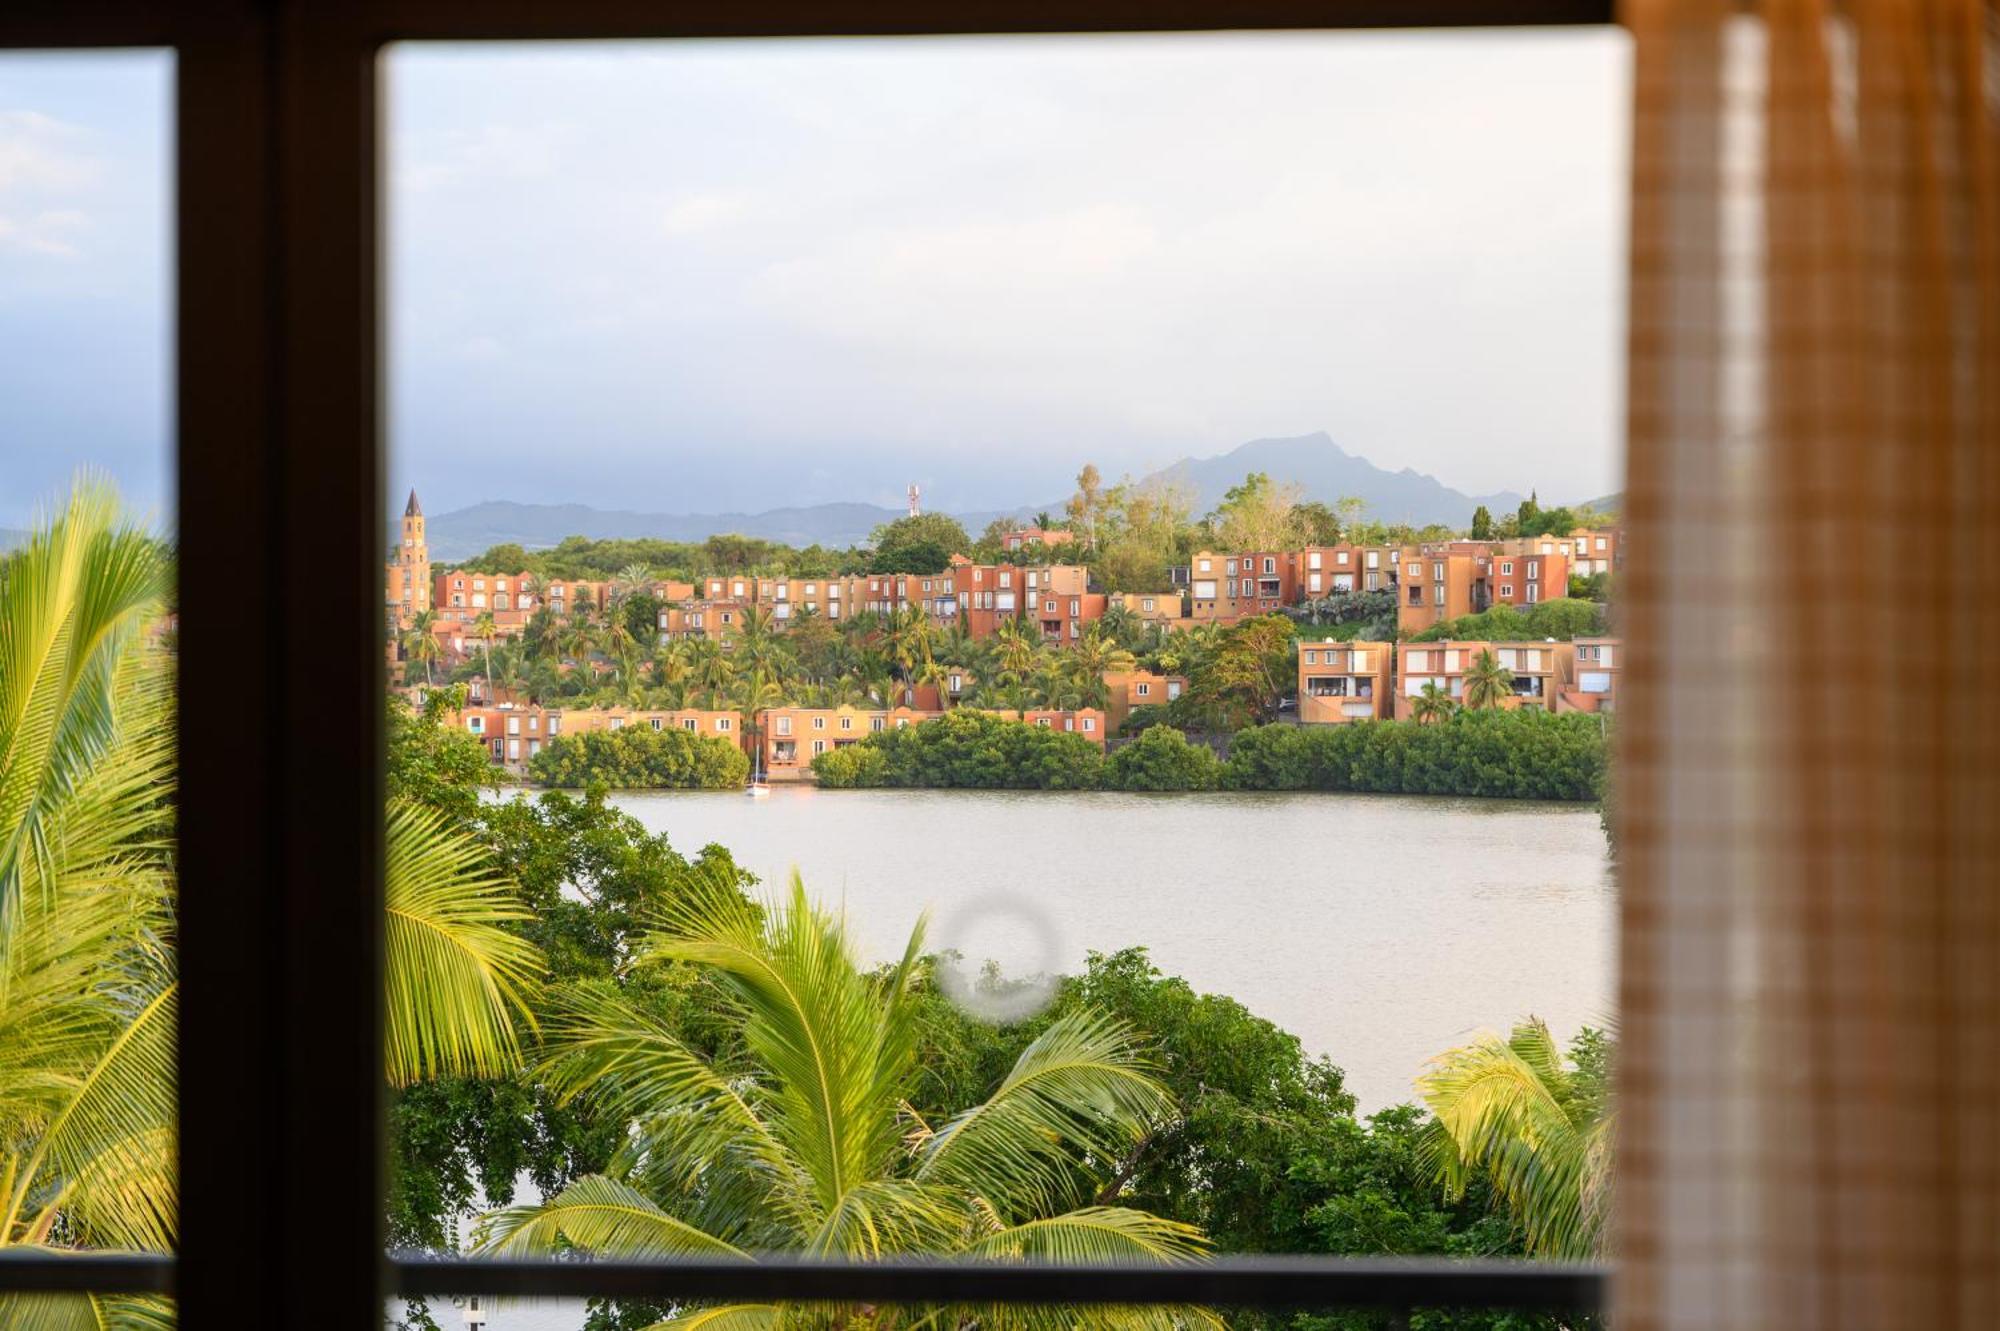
(88, 993)
(757, 693)
(1431, 703)
(420, 643)
(936, 674)
(1487, 682)
(630, 581)
(810, 1145)
(485, 629)
(1540, 1131)
(1015, 648)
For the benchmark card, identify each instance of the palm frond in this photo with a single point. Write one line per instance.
(1500, 1113)
(728, 1317)
(457, 979)
(810, 1017)
(1080, 1092)
(72, 600)
(85, 1312)
(598, 1215)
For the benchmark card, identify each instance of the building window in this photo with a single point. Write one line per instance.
(784, 725)
(847, 723)
(657, 723)
(819, 723)
(722, 723)
(689, 723)
(1089, 724)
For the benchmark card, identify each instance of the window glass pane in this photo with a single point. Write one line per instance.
(764, 375)
(87, 644)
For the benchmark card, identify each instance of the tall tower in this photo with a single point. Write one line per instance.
(915, 507)
(409, 573)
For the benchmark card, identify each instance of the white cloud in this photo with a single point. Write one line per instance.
(704, 212)
(44, 164)
(50, 232)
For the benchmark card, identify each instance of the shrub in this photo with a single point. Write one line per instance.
(966, 749)
(640, 758)
(1562, 618)
(1509, 755)
(1162, 759)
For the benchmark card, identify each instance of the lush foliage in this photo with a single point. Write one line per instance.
(1162, 759)
(922, 543)
(640, 758)
(1561, 618)
(1514, 755)
(965, 748)
(88, 992)
(807, 1141)
(1534, 1127)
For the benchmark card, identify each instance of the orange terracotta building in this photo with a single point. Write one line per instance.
(1341, 682)
(1540, 670)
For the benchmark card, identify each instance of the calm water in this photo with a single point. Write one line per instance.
(1379, 929)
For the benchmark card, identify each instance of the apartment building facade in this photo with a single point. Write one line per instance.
(1224, 588)
(1539, 671)
(1328, 570)
(1593, 685)
(1341, 682)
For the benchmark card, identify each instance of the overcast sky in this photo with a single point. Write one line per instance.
(735, 275)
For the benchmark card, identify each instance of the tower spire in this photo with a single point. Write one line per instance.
(413, 509)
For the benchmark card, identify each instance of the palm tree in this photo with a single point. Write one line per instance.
(629, 581)
(1539, 1131)
(811, 1146)
(1015, 648)
(420, 643)
(88, 991)
(756, 694)
(1431, 703)
(1487, 682)
(484, 629)
(936, 674)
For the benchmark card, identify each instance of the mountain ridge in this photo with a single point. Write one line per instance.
(1322, 469)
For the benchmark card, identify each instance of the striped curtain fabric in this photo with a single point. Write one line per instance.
(1810, 765)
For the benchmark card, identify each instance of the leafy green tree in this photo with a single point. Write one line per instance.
(640, 758)
(589, 875)
(807, 1145)
(1537, 1129)
(921, 544)
(1258, 514)
(1494, 754)
(966, 748)
(1482, 524)
(1487, 682)
(1162, 759)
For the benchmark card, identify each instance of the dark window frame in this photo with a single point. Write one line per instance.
(279, 458)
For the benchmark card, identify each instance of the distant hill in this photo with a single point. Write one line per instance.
(466, 532)
(1613, 504)
(1314, 461)
(1327, 472)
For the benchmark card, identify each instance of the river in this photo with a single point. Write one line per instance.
(1378, 929)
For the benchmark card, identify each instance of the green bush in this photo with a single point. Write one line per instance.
(640, 758)
(966, 749)
(1162, 759)
(1506, 755)
(1562, 619)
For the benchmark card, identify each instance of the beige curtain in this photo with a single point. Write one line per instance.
(1810, 1063)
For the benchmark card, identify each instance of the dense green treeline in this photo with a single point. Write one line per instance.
(1495, 754)
(640, 758)
(968, 749)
